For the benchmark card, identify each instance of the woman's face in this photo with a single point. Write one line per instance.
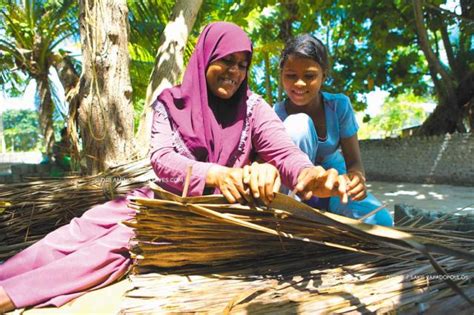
(302, 79)
(224, 76)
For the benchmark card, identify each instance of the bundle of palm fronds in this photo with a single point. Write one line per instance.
(216, 257)
(28, 211)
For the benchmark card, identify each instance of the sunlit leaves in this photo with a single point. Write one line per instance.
(403, 111)
(30, 32)
(21, 129)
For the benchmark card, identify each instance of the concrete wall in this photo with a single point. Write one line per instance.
(447, 159)
(20, 157)
(25, 172)
(16, 166)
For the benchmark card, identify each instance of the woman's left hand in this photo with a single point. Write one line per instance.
(263, 179)
(356, 188)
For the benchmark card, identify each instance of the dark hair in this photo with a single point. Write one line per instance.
(306, 46)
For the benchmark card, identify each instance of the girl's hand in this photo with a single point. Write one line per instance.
(356, 188)
(230, 183)
(321, 183)
(263, 179)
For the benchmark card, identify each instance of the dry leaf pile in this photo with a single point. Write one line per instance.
(29, 211)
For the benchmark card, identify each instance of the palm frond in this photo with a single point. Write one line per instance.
(16, 27)
(268, 258)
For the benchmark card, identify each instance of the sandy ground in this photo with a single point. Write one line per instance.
(430, 197)
(102, 301)
(425, 196)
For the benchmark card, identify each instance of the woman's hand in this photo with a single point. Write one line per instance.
(230, 183)
(321, 183)
(263, 179)
(356, 188)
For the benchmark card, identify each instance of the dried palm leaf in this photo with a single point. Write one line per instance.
(215, 257)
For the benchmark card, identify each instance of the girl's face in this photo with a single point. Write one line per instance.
(224, 76)
(302, 79)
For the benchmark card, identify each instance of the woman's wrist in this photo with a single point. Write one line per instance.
(360, 173)
(213, 174)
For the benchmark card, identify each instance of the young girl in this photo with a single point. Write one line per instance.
(320, 122)
(212, 122)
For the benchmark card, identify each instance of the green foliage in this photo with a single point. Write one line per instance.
(21, 130)
(148, 19)
(138, 106)
(30, 33)
(32, 30)
(403, 111)
(372, 44)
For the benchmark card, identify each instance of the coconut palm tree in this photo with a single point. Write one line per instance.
(31, 32)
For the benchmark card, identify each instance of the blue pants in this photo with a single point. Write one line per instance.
(303, 133)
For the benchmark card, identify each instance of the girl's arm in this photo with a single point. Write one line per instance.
(274, 146)
(355, 170)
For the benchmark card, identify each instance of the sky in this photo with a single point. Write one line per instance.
(25, 102)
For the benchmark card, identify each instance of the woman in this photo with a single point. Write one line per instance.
(213, 123)
(320, 122)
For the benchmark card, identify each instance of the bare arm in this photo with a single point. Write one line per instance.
(275, 146)
(355, 170)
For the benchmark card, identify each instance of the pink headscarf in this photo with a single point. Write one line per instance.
(210, 127)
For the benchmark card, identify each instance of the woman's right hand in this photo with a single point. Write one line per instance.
(230, 181)
(264, 181)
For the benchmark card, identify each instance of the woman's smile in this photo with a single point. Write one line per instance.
(228, 81)
(224, 76)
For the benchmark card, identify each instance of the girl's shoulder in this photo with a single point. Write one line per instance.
(280, 110)
(335, 99)
(337, 102)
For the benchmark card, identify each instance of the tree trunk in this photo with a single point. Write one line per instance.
(67, 75)
(105, 109)
(46, 112)
(3, 146)
(449, 49)
(168, 64)
(441, 121)
(447, 117)
(291, 11)
(70, 81)
(268, 84)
